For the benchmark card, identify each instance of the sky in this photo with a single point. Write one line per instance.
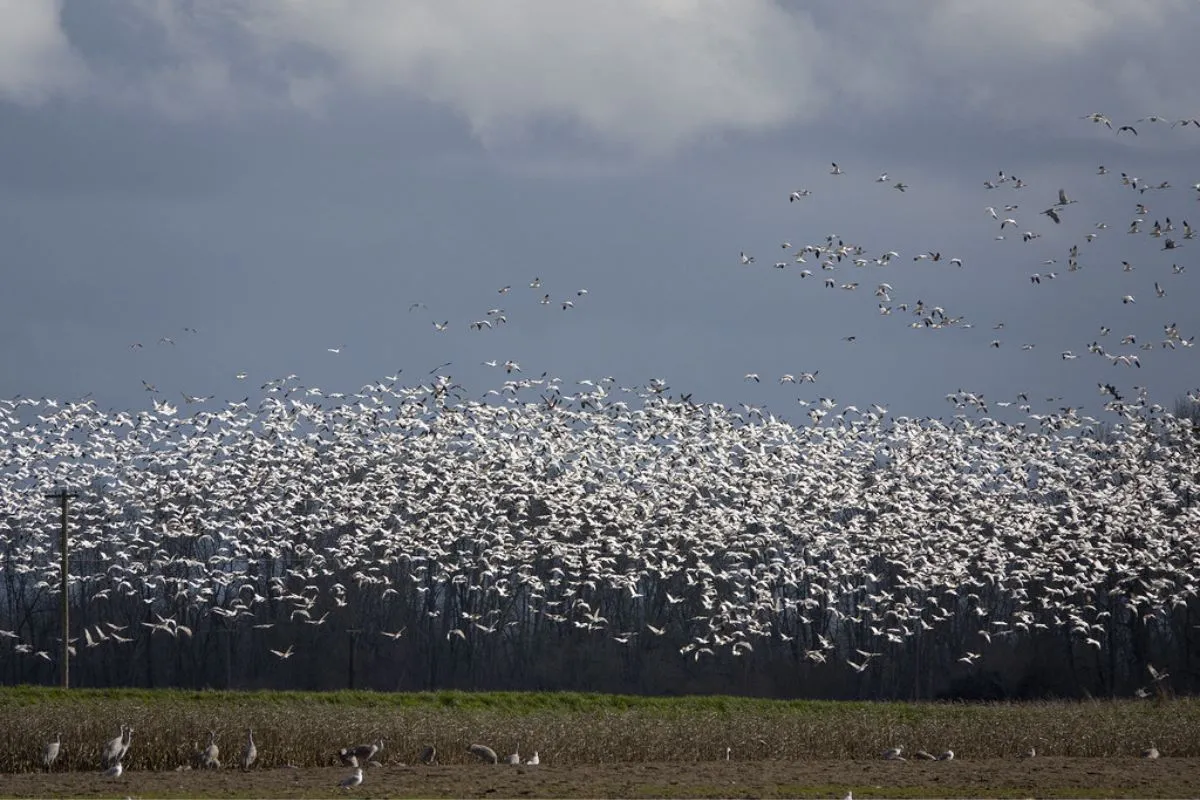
(196, 191)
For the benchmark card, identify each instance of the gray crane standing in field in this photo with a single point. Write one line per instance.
(51, 750)
(249, 752)
(126, 741)
(114, 750)
(484, 753)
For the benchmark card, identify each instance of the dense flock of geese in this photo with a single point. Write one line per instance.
(546, 494)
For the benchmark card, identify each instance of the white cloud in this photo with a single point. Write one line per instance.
(646, 74)
(36, 60)
(640, 75)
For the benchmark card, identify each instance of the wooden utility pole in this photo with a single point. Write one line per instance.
(353, 633)
(64, 498)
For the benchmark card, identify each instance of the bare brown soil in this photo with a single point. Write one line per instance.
(1040, 777)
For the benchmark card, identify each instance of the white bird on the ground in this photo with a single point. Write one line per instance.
(533, 760)
(946, 756)
(893, 754)
(353, 779)
(210, 755)
(115, 771)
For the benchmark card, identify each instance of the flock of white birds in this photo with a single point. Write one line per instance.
(630, 512)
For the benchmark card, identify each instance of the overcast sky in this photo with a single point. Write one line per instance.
(240, 186)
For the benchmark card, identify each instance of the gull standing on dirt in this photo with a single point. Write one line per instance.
(353, 779)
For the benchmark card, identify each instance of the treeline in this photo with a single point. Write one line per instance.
(435, 634)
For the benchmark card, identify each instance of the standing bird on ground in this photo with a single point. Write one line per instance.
(126, 740)
(352, 780)
(51, 750)
(363, 753)
(429, 755)
(484, 753)
(533, 760)
(210, 755)
(514, 759)
(113, 750)
(249, 752)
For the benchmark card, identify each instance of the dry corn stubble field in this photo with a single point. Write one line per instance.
(601, 746)
(1044, 777)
